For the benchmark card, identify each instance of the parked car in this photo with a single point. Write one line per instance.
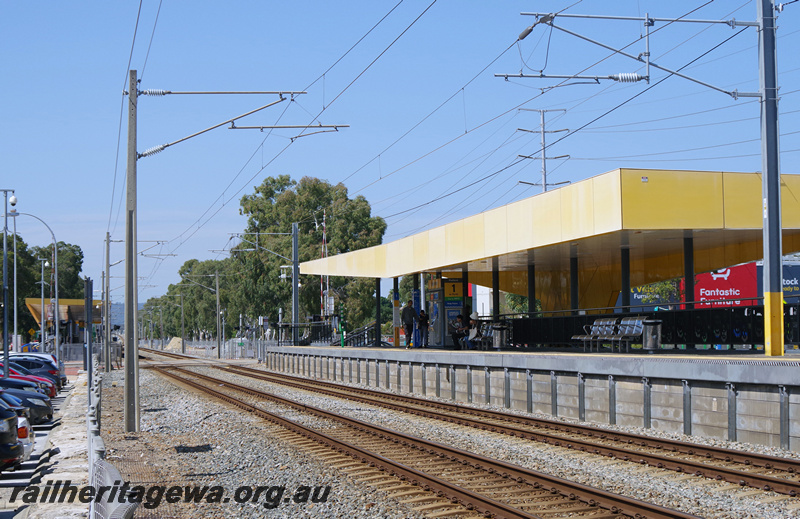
(40, 372)
(26, 385)
(40, 406)
(57, 365)
(24, 431)
(25, 436)
(48, 387)
(11, 449)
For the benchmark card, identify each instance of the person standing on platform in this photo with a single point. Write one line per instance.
(423, 324)
(409, 317)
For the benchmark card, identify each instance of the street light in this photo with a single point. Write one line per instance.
(13, 202)
(13, 213)
(183, 330)
(216, 291)
(43, 314)
(56, 316)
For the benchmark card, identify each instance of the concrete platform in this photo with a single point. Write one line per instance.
(751, 398)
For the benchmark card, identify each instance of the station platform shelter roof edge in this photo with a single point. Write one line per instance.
(69, 309)
(648, 212)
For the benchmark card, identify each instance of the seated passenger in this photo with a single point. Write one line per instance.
(474, 332)
(459, 331)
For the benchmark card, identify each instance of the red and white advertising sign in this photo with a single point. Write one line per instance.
(732, 284)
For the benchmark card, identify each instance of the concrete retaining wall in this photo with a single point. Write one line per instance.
(748, 399)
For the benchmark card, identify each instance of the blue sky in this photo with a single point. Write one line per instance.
(427, 116)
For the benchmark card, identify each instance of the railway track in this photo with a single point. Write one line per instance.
(436, 479)
(740, 468)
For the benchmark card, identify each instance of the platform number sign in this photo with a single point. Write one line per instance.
(453, 290)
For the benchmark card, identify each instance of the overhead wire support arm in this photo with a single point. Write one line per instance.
(732, 22)
(162, 147)
(321, 128)
(625, 77)
(547, 19)
(290, 127)
(158, 93)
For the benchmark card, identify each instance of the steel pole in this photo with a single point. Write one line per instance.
(43, 316)
(14, 337)
(107, 307)
(5, 286)
(219, 317)
(544, 160)
(131, 283)
(771, 183)
(183, 330)
(56, 313)
(295, 282)
(87, 310)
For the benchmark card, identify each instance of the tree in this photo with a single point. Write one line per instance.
(519, 304)
(70, 264)
(663, 292)
(28, 277)
(70, 284)
(271, 209)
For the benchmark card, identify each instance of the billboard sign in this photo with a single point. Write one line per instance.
(731, 286)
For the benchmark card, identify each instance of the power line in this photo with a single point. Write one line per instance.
(595, 119)
(155, 23)
(198, 224)
(119, 130)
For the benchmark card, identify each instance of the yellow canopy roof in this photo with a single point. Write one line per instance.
(648, 212)
(68, 309)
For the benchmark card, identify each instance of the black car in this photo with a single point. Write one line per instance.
(40, 364)
(41, 372)
(16, 383)
(16, 404)
(11, 449)
(40, 406)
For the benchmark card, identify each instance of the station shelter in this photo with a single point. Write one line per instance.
(71, 315)
(580, 247)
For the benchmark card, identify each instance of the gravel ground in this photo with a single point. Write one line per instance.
(229, 454)
(694, 495)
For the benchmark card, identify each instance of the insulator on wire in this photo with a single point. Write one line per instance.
(155, 92)
(153, 150)
(627, 77)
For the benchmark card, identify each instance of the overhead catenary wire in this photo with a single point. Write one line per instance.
(518, 106)
(328, 105)
(199, 223)
(150, 44)
(514, 108)
(591, 121)
(119, 129)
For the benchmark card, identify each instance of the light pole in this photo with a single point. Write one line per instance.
(43, 316)
(216, 292)
(13, 201)
(183, 330)
(56, 317)
(13, 214)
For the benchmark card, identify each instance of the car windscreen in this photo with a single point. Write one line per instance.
(21, 369)
(11, 400)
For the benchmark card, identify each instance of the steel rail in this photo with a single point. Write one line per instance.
(575, 491)
(743, 478)
(765, 461)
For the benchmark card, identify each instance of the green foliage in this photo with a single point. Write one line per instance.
(517, 304)
(250, 279)
(70, 264)
(278, 202)
(406, 288)
(662, 292)
(29, 277)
